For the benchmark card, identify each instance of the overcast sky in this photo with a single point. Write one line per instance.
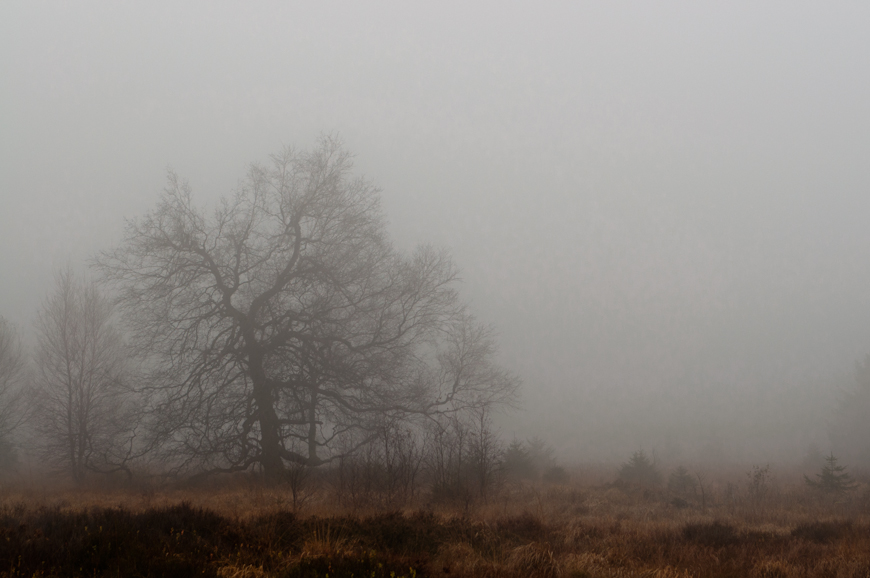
(662, 207)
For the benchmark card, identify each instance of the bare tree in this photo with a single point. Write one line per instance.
(385, 471)
(464, 457)
(284, 322)
(486, 454)
(84, 415)
(12, 368)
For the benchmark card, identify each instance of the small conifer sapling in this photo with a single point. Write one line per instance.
(833, 479)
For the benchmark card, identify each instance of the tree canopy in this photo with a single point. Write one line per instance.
(283, 325)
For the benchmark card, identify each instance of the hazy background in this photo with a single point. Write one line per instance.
(662, 207)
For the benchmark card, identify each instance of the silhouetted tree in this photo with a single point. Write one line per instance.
(12, 410)
(541, 453)
(681, 482)
(83, 415)
(758, 484)
(486, 454)
(533, 459)
(517, 461)
(833, 479)
(640, 470)
(464, 458)
(284, 322)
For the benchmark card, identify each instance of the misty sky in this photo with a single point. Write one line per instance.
(662, 207)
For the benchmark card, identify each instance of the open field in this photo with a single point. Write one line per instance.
(578, 529)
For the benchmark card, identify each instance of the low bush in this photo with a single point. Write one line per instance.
(822, 532)
(556, 475)
(174, 541)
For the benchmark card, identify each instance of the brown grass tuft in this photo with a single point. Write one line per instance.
(246, 571)
(774, 569)
(535, 559)
(328, 542)
(460, 559)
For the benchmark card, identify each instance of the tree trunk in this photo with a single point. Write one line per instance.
(312, 429)
(270, 442)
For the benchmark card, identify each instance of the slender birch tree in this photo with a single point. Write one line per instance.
(84, 415)
(12, 388)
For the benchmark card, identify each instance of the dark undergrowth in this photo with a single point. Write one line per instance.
(183, 540)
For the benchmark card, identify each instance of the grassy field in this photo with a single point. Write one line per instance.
(583, 528)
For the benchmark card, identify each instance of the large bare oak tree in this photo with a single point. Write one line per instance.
(283, 323)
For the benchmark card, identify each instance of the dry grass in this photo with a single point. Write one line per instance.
(244, 529)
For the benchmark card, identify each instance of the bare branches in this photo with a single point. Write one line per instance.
(12, 368)
(83, 413)
(286, 322)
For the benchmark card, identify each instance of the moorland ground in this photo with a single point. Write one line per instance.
(585, 527)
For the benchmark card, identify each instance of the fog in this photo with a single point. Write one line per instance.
(662, 208)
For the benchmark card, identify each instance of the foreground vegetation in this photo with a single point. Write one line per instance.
(580, 528)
